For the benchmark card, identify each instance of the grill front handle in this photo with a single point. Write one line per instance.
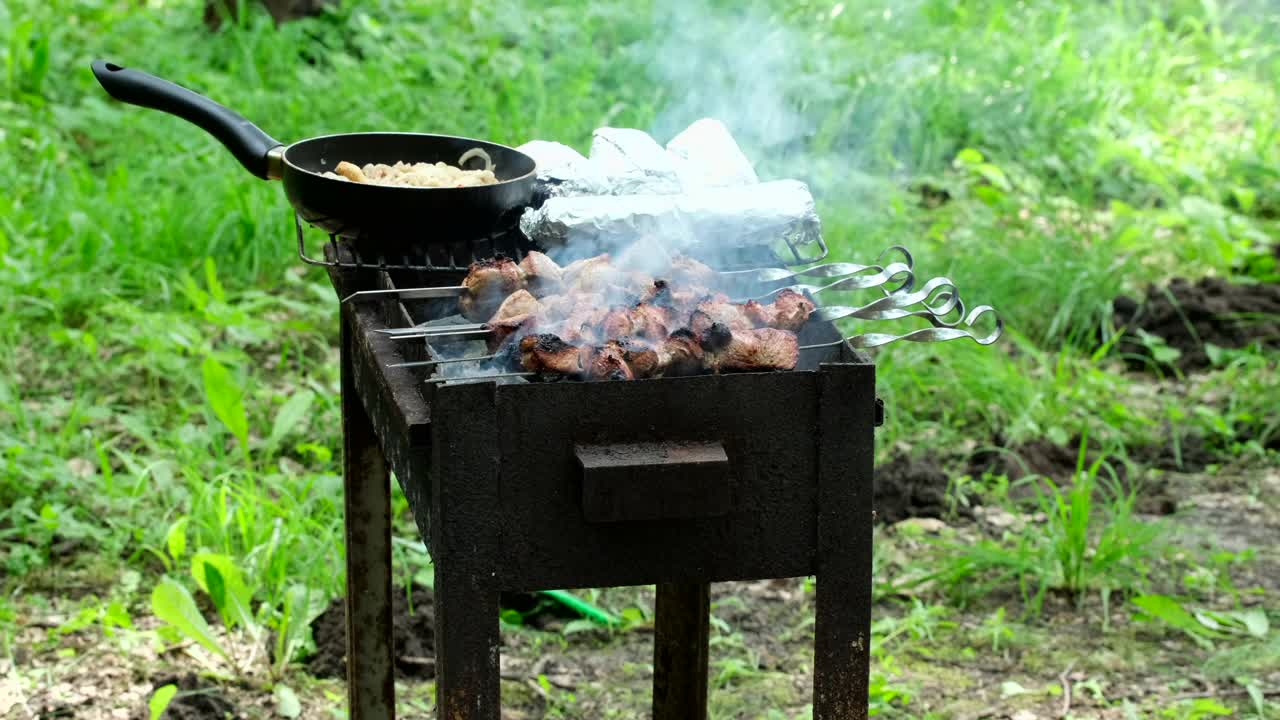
(633, 482)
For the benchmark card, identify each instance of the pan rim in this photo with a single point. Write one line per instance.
(293, 166)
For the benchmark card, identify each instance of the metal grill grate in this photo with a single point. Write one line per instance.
(455, 256)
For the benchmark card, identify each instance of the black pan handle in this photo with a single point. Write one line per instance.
(251, 146)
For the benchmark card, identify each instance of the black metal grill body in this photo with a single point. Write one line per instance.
(676, 482)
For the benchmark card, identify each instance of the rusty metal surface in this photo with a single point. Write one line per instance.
(466, 542)
(770, 528)
(680, 651)
(624, 482)
(842, 631)
(367, 518)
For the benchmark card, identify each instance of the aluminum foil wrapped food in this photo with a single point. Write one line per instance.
(625, 161)
(759, 214)
(563, 171)
(634, 162)
(707, 156)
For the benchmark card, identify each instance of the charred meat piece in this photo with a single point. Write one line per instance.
(607, 362)
(751, 350)
(520, 302)
(549, 353)
(680, 354)
(487, 284)
(541, 274)
(687, 271)
(639, 355)
(789, 311)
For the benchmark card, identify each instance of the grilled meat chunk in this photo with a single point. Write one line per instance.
(750, 350)
(607, 363)
(642, 320)
(487, 284)
(520, 302)
(549, 353)
(640, 356)
(680, 354)
(596, 274)
(719, 310)
(789, 311)
(541, 274)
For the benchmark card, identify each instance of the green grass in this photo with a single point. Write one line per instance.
(1086, 149)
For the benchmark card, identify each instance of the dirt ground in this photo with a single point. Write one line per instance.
(761, 644)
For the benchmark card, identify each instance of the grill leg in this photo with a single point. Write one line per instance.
(680, 652)
(842, 631)
(467, 648)
(367, 485)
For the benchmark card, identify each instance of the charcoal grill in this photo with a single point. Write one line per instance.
(677, 482)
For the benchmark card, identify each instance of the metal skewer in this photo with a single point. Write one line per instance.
(939, 333)
(826, 270)
(421, 334)
(943, 293)
(421, 293)
(432, 330)
(429, 363)
(473, 378)
(888, 273)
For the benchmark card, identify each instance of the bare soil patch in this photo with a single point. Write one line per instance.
(1188, 315)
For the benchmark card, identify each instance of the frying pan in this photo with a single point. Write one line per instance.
(395, 216)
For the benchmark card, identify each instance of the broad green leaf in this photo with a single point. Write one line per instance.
(219, 576)
(1171, 612)
(217, 590)
(160, 700)
(1204, 707)
(969, 156)
(173, 604)
(302, 605)
(291, 414)
(287, 704)
(226, 398)
(176, 539)
(1255, 621)
(116, 615)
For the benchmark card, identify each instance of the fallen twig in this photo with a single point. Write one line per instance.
(1065, 679)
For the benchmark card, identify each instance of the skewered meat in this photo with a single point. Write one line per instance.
(520, 302)
(595, 274)
(718, 310)
(643, 320)
(595, 321)
(758, 349)
(680, 354)
(541, 274)
(549, 353)
(487, 284)
(640, 356)
(608, 363)
(789, 311)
